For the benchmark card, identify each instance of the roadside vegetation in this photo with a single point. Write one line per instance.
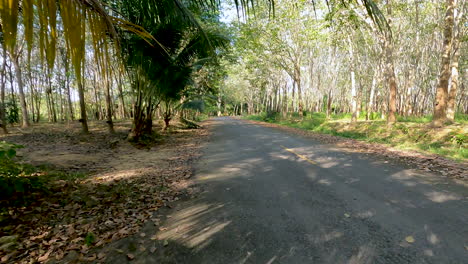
(408, 134)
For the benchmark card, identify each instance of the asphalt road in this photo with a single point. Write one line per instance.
(273, 197)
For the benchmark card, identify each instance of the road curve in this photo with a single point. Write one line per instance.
(273, 197)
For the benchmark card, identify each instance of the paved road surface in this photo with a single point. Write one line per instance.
(273, 197)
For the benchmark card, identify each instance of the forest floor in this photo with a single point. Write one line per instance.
(94, 189)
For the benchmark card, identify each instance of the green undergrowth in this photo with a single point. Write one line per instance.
(409, 133)
(22, 183)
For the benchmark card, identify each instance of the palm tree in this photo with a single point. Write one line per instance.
(160, 72)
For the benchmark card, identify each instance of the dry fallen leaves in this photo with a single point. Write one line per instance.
(81, 215)
(409, 239)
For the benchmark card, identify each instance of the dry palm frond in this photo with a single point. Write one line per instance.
(28, 21)
(9, 16)
(73, 16)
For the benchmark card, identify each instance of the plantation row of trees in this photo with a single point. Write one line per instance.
(106, 60)
(333, 56)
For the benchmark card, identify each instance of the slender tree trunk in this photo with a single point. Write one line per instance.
(84, 118)
(299, 89)
(440, 109)
(353, 97)
(370, 105)
(454, 68)
(19, 79)
(67, 87)
(218, 103)
(121, 98)
(391, 78)
(2, 95)
(110, 124)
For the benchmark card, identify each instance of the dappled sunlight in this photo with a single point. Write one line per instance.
(402, 175)
(325, 182)
(441, 197)
(329, 164)
(270, 261)
(325, 237)
(194, 226)
(431, 237)
(352, 180)
(246, 258)
(365, 214)
(428, 252)
(365, 254)
(118, 175)
(231, 171)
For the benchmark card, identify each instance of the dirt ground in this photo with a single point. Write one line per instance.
(114, 187)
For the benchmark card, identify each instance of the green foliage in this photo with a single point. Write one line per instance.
(415, 119)
(15, 178)
(8, 150)
(197, 105)
(460, 139)
(12, 112)
(461, 118)
(20, 182)
(89, 239)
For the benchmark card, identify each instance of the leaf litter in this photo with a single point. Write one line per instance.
(124, 188)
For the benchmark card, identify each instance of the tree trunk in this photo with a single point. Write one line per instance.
(454, 68)
(19, 79)
(219, 105)
(299, 90)
(2, 95)
(69, 101)
(391, 82)
(84, 118)
(391, 78)
(329, 103)
(110, 124)
(353, 98)
(121, 98)
(370, 105)
(440, 109)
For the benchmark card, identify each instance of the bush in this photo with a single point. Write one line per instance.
(15, 179)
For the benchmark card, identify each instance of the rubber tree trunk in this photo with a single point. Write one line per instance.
(353, 84)
(2, 95)
(353, 98)
(391, 81)
(19, 79)
(84, 118)
(297, 77)
(110, 123)
(219, 105)
(440, 108)
(390, 71)
(370, 105)
(452, 96)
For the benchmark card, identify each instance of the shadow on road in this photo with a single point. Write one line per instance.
(261, 204)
